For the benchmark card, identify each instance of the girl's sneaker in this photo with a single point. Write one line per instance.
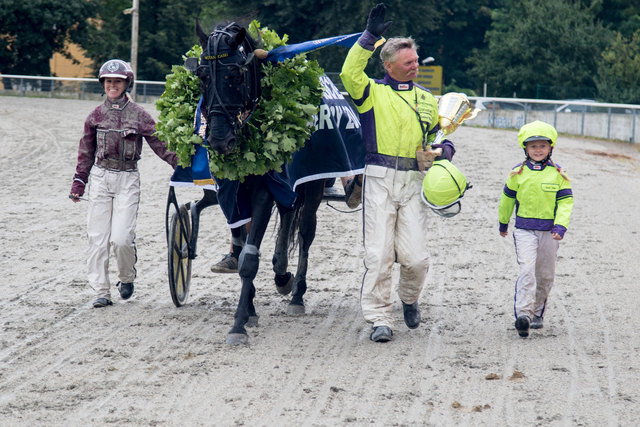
(522, 325)
(536, 323)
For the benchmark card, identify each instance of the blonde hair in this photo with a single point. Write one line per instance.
(550, 162)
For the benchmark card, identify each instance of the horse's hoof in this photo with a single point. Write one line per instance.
(284, 283)
(295, 310)
(237, 339)
(252, 322)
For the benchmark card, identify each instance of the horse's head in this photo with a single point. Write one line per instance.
(230, 82)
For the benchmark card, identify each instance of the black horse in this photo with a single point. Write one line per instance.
(230, 82)
(334, 148)
(302, 219)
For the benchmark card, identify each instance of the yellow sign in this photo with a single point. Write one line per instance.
(430, 76)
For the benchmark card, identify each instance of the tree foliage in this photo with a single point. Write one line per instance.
(166, 30)
(622, 16)
(463, 25)
(305, 20)
(532, 48)
(539, 43)
(31, 31)
(619, 69)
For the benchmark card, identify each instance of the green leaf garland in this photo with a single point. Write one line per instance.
(177, 107)
(280, 125)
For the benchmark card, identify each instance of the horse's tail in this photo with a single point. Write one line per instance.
(292, 240)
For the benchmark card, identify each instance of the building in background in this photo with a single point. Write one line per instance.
(63, 67)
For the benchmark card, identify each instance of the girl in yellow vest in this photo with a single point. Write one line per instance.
(541, 194)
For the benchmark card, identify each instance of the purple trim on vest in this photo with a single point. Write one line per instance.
(448, 150)
(368, 127)
(536, 167)
(390, 81)
(509, 192)
(367, 40)
(533, 166)
(365, 95)
(559, 229)
(421, 87)
(564, 194)
(534, 223)
(392, 162)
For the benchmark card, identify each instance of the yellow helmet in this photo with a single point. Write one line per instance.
(442, 188)
(536, 131)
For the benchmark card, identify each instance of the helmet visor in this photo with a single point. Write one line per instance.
(449, 211)
(446, 211)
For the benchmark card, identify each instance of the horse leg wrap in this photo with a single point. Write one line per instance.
(248, 262)
(237, 241)
(237, 244)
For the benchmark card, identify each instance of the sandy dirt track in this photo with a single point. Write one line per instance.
(146, 362)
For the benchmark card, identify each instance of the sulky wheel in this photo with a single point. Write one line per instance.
(179, 261)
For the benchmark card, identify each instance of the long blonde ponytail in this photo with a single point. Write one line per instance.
(559, 169)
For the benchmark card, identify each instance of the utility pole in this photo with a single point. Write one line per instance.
(135, 19)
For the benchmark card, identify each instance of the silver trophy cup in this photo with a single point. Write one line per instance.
(453, 109)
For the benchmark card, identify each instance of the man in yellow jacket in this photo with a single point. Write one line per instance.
(397, 116)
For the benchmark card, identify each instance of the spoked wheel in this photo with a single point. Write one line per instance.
(179, 261)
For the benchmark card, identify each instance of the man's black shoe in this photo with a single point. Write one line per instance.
(101, 302)
(411, 314)
(125, 289)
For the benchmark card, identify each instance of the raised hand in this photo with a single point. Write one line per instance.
(375, 23)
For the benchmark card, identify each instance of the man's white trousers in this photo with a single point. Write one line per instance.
(395, 230)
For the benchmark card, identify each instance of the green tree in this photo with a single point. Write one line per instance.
(623, 16)
(619, 69)
(109, 34)
(535, 44)
(462, 28)
(305, 20)
(166, 32)
(32, 30)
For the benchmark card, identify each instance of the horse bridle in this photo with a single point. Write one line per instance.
(250, 94)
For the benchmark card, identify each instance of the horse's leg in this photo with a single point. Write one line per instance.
(313, 192)
(280, 260)
(249, 261)
(238, 237)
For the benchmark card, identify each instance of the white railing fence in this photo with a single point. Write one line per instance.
(71, 87)
(577, 117)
